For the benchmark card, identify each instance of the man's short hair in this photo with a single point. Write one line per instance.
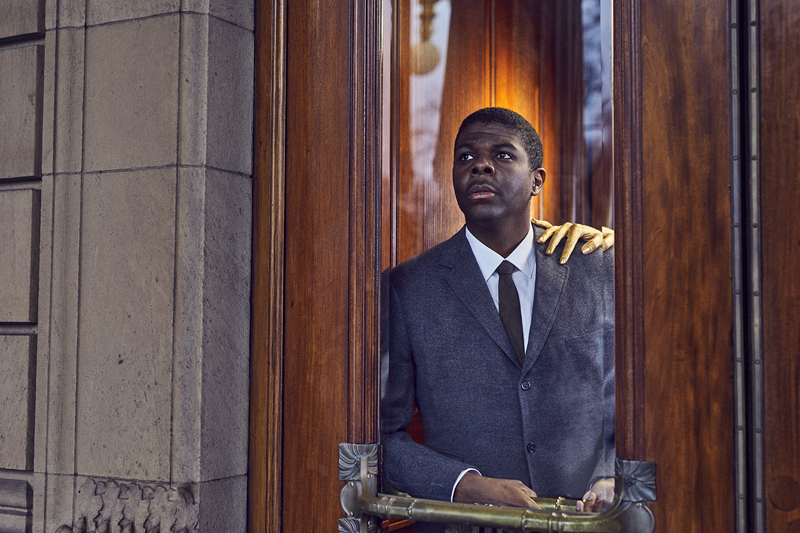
(516, 122)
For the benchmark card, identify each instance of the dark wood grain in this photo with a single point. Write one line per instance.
(407, 220)
(678, 385)
(266, 378)
(466, 89)
(780, 193)
(331, 249)
(317, 241)
(629, 335)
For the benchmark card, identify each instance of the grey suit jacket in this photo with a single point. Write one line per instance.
(549, 423)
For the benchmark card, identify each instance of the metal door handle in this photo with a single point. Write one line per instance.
(363, 505)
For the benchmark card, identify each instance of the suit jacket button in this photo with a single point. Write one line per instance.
(526, 385)
(531, 447)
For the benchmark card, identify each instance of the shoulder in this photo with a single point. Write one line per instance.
(586, 274)
(598, 260)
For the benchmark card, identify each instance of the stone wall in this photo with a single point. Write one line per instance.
(125, 235)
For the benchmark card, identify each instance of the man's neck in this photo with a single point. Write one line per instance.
(503, 239)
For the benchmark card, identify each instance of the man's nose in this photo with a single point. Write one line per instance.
(482, 166)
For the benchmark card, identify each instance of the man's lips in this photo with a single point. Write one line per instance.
(480, 190)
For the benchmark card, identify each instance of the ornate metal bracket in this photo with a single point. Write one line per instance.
(358, 466)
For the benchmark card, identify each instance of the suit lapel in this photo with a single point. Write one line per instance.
(466, 281)
(551, 278)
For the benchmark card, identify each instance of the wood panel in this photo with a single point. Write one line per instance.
(266, 363)
(780, 193)
(674, 306)
(466, 89)
(331, 250)
(561, 109)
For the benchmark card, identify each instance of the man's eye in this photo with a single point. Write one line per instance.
(504, 155)
(465, 157)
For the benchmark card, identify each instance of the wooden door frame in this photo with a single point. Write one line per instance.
(266, 366)
(628, 215)
(266, 392)
(351, 108)
(363, 226)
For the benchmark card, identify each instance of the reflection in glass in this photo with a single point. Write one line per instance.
(550, 61)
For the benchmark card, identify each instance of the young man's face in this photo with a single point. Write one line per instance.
(491, 177)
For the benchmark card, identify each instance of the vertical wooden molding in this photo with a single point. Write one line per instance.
(628, 215)
(365, 230)
(266, 378)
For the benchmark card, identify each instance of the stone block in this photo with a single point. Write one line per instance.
(223, 505)
(115, 10)
(21, 93)
(194, 89)
(216, 94)
(63, 128)
(125, 362)
(189, 269)
(226, 325)
(13, 521)
(19, 255)
(212, 299)
(238, 12)
(16, 503)
(58, 336)
(60, 492)
(230, 97)
(48, 101)
(65, 14)
(15, 494)
(43, 326)
(17, 379)
(132, 94)
(21, 17)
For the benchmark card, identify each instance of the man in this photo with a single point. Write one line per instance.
(513, 402)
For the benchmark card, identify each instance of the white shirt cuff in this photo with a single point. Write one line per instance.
(453, 492)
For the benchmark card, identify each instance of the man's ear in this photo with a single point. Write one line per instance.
(538, 181)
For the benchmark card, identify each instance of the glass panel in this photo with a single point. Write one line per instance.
(550, 61)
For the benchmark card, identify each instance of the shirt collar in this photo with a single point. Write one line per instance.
(488, 260)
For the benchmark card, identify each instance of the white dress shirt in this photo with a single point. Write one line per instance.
(524, 275)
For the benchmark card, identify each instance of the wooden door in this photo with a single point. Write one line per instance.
(685, 336)
(776, 80)
(674, 256)
(707, 136)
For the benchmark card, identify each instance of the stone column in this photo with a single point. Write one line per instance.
(125, 234)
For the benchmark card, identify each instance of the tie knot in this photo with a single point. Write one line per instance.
(505, 268)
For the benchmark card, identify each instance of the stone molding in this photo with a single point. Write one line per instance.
(16, 501)
(115, 506)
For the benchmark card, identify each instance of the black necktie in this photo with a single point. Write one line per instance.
(509, 309)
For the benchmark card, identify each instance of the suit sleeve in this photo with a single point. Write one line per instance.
(408, 466)
(607, 454)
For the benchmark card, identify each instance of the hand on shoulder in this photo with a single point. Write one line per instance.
(603, 239)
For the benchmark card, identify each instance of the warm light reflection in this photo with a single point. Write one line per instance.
(548, 60)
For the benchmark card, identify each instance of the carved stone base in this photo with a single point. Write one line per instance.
(111, 506)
